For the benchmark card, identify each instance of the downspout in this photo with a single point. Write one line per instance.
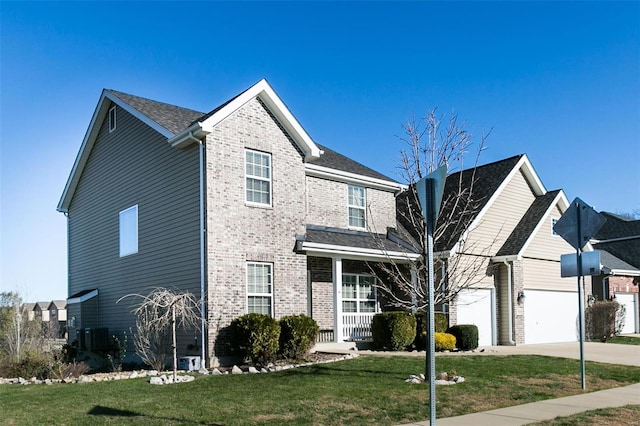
(510, 299)
(203, 319)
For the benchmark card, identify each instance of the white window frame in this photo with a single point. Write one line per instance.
(359, 299)
(350, 206)
(128, 227)
(248, 176)
(112, 119)
(253, 294)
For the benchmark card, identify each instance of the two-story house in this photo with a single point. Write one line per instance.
(238, 206)
(242, 208)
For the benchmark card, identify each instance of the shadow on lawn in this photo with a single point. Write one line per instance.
(99, 410)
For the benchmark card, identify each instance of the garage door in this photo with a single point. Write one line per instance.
(629, 301)
(475, 307)
(550, 316)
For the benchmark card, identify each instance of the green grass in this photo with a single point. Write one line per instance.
(367, 390)
(625, 340)
(627, 415)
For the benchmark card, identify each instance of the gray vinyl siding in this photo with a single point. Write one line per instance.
(134, 165)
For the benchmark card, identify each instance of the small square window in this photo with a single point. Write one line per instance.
(129, 231)
(553, 224)
(112, 119)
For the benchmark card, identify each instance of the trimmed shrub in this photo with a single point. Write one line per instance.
(255, 337)
(393, 331)
(441, 323)
(444, 341)
(298, 334)
(601, 320)
(466, 336)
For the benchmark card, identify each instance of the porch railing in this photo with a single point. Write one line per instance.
(357, 326)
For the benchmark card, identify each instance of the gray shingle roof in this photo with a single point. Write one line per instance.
(619, 227)
(485, 181)
(337, 161)
(523, 230)
(610, 261)
(171, 117)
(349, 238)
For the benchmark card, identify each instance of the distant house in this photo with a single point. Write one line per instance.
(41, 311)
(241, 207)
(27, 308)
(619, 244)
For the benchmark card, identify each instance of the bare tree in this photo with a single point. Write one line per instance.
(158, 316)
(18, 335)
(431, 142)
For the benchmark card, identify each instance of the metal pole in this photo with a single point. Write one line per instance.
(431, 358)
(580, 303)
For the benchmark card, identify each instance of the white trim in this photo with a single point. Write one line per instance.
(338, 332)
(83, 298)
(98, 117)
(269, 295)
(261, 90)
(259, 178)
(352, 178)
(357, 253)
(126, 239)
(355, 206)
(113, 124)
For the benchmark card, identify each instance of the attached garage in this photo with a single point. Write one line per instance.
(630, 302)
(475, 306)
(550, 316)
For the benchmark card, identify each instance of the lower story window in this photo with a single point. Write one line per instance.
(358, 293)
(260, 288)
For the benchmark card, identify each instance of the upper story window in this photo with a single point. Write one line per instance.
(553, 223)
(357, 206)
(260, 288)
(112, 119)
(258, 177)
(129, 231)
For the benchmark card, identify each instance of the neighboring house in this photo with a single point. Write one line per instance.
(27, 308)
(619, 244)
(58, 313)
(41, 311)
(240, 207)
(521, 298)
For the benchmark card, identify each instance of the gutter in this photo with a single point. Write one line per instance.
(203, 320)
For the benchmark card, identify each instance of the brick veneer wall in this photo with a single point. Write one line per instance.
(238, 233)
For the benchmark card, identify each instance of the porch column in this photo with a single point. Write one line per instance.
(337, 300)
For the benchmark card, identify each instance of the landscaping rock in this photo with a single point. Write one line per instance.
(236, 370)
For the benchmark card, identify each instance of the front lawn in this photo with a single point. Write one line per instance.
(625, 340)
(363, 390)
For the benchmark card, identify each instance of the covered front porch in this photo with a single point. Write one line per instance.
(342, 279)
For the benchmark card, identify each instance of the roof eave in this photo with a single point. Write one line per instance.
(328, 250)
(89, 140)
(339, 175)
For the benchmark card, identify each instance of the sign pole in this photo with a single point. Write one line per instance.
(431, 352)
(580, 302)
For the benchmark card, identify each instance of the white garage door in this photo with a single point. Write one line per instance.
(475, 307)
(631, 308)
(550, 316)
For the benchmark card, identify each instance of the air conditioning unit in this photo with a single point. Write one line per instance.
(96, 339)
(189, 363)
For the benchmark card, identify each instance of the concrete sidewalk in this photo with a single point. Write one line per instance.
(545, 410)
(560, 407)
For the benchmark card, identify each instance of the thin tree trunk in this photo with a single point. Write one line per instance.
(173, 345)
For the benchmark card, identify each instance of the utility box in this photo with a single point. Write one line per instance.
(189, 363)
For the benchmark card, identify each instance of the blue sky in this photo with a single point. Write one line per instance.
(557, 81)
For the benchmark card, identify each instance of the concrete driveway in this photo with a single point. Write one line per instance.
(609, 353)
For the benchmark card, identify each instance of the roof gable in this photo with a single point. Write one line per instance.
(531, 221)
(620, 237)
(263, 91)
